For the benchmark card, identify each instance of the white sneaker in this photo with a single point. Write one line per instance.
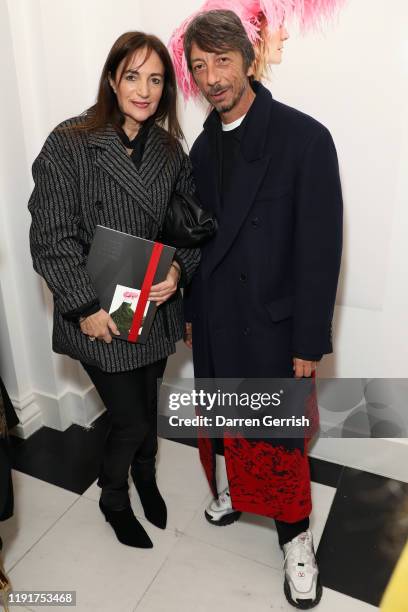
(220, 511)
(302, 583)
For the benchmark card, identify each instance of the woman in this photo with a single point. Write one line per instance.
(263, 22)
(268, 48)
(8, 420)
(116, 166)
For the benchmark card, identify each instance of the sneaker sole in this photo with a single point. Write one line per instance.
(227, 519)
(307, 603)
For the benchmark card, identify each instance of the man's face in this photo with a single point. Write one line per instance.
(221, 77)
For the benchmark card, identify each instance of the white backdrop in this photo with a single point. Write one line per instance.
(353, 78)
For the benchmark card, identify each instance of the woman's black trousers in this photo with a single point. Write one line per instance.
(131, 401)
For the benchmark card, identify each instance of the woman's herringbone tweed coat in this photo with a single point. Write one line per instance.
(83, 179)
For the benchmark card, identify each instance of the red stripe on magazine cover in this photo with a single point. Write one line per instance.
(144, 293)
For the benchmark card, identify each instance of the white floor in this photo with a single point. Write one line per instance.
(58, 540)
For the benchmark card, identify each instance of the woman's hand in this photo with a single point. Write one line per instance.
(162, 291)
(99, 325)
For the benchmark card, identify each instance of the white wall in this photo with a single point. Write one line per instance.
(353, 79)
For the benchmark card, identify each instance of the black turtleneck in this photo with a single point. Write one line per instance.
(137, 144)
(230, 146)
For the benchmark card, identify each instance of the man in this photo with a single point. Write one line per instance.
(262, 301)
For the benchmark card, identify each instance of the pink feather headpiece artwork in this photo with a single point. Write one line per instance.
(310, 14)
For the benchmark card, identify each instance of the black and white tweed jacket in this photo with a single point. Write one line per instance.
(84, 179)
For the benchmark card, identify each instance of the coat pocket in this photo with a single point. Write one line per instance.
(281, 308)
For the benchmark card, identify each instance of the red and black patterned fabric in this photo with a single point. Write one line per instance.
(267, 477)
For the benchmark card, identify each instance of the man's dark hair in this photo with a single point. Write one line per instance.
(216, 32)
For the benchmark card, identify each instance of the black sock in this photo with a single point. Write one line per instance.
(288, 531)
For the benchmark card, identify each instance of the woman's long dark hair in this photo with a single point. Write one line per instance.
(106, 109)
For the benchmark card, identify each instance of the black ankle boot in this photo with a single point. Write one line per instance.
(126, 526)
(153, 504)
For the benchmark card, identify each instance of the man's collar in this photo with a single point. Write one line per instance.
(229, 127)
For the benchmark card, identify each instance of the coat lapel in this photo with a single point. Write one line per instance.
(111, 157)
(237, 204)
(247, 177)
(155, 156)
(213, 178)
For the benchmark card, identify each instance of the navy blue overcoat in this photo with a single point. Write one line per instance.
(265, 289)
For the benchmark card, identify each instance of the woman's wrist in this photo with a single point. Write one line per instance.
(175, 265)
(83, 317)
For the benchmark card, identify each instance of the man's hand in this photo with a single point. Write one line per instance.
(163, 291)
(188, 335)
(99, 325)
(303, 368)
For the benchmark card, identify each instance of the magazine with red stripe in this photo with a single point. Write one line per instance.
(123, 268)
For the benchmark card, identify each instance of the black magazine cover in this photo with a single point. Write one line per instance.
(118, 264)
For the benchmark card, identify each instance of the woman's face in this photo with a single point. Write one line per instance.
(139, 89)
(275, 42)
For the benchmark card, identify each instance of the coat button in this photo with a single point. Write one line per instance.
(255, 222)
(246, 331)
(243, 277)
(98, 204)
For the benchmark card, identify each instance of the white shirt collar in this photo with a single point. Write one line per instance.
(227, 127)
